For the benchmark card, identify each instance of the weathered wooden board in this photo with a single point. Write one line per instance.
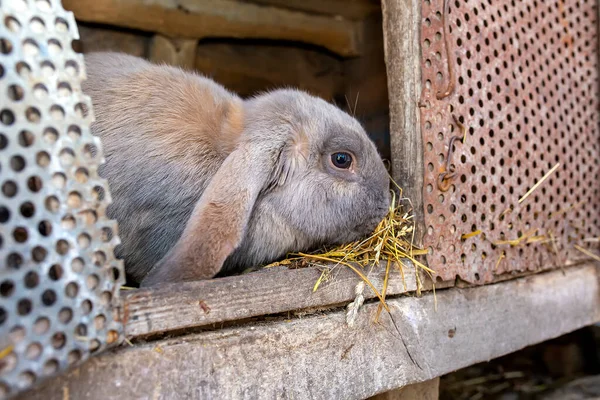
(198, 19)
(319, 357)
(351, 9)
(94, 39)
(249, 68)
(401, 27)
(174, 307)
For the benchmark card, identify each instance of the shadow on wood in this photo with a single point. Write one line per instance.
(428, 390)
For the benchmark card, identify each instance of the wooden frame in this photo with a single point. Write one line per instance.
(197, 19)
(157, 311)
(318, 356)
(401, 29)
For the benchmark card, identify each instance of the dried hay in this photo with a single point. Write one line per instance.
(391, 242)
(588, 253)
(6, 351)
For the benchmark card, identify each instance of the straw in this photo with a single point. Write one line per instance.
(392, 241)
(522, 199)
(588, 253)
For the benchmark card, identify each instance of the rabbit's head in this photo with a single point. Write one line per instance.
(304, 174)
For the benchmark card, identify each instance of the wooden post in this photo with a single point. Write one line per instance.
(401, 27)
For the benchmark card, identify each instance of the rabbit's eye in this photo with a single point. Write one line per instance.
(341, 160)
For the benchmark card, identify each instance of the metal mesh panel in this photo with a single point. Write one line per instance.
(521, 77)
(59, 280)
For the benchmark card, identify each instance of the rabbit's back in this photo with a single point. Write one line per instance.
(165, 133)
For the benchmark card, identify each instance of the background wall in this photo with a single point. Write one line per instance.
(353, 79)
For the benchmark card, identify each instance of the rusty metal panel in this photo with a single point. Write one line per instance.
(521, 78)
(59, 279)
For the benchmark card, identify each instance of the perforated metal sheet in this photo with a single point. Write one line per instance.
(59, 280)
(521, 76)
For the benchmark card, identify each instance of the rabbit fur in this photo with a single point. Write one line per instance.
(203, 182)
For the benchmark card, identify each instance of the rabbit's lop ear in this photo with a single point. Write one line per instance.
(218, 222)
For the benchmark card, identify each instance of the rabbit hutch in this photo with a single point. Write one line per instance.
(487, 112)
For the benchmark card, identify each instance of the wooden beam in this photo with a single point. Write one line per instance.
(164, 309)
(95, 39)
(320, 357)
(401, 27)
(351, 9)
(197, 19)
(193, 304)
(250, 68)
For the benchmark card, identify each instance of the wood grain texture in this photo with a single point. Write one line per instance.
(198, 19)
(192, 304)
(320, 357)
(351, 9)
(401, 27)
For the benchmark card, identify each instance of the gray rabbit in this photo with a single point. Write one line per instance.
(204, 182)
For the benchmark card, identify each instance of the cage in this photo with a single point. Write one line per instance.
(508, 101)
(490, 119)
(59, 280)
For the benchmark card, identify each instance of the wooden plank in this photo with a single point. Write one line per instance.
(96, 39)
(197, 19)
(351, 9)
(176, 52)
(250, 68)
(193, 304)
(320, 357)
(401, 27)
(428, 390)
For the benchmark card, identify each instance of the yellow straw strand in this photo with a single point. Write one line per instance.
(522, 199)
